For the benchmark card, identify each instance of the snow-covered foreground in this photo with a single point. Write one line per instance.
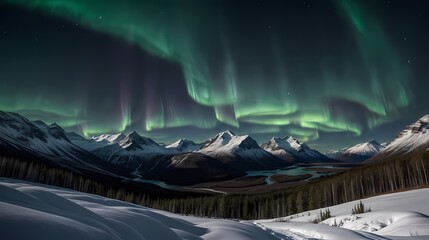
(393, 216)
(33, 211)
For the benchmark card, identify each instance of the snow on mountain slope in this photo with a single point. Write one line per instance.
(111, 138)
(133, 143)
(369, 148)
(184, 145)
(87, 144)
(291, 150)
(228, 142)
(393, 216)
(244, 149)
(359, 152)
(131, 151)
(48, 143)
(415, 137)
(33, 211)
(333, 154)
(94, 142)
(38, 136)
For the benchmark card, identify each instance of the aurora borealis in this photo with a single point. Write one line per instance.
(329, 72)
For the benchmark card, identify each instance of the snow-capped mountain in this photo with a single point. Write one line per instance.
(291, 150)
(414, 138)
(36, 140)
(184, 145)
(46, 139)
(359, 152)
(111, 138)
(133, 142)
(123, 155)
(228, 142)
(94, 142)
(131, 151)
(242, 152)
(84, 143)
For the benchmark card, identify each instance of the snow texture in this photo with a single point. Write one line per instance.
(227, 143)
(393, 216)
(414, 137)
(290, 147)
(36, 211)
(184, 145)
(361, 150)
(33, 211)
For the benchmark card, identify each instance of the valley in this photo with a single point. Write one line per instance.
(227, 162)
(227, 171)
(207, 182)
(214, 120)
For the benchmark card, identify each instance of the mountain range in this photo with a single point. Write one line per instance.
(291, 150)
(413, 138)
(357, 153)
(225, 156)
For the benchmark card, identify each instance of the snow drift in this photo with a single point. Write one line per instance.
(393, 216)
(33, 211)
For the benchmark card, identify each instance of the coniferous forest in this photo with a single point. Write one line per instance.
(389, 175)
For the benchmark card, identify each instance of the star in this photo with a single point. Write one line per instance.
(405, 39)
(100, 17)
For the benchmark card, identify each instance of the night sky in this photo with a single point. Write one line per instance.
(332, 73)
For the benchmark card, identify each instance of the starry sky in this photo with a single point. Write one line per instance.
(329, 72)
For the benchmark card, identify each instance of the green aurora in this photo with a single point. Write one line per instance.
(338, 72)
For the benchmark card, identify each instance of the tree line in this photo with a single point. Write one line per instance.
(389, 175)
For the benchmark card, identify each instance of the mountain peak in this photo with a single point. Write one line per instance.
(226, 133)
(414, 137)
(54, 125)
(287, 142)
(184, 145)
(180, 143)
(421, 126)
(40, 123)
(359, 152)
(134, 134)
(293, 141)
(367, 149)
(227, 141)
(424, 119)
(291, 149)
(109, 138)
(373, 142)
(134, 140)
(57, 132)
